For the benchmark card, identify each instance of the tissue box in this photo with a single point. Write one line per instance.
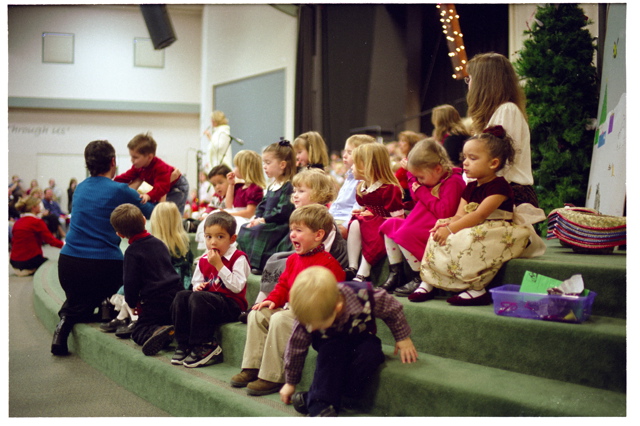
(509, 301)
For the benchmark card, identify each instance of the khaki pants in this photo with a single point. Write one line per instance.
(268, 333)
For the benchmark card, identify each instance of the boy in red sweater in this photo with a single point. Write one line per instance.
(270, 323)
(146, 167)
(219, 294)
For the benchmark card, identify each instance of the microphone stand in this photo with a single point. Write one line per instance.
(231, 139)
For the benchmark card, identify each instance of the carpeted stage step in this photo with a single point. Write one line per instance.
(471, 363)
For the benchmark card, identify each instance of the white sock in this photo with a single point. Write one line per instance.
(365, 268)
(354, 244)
(425, 287)
(472, 294)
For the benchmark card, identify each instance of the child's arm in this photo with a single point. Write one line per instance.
(388, 309)
(235, 280)
(247, 213)
(198, 282)
(464, 220)
(231, 190)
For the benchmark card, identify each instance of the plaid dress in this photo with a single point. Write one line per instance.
(263, 240)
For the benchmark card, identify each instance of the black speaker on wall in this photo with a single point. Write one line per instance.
(159, 25)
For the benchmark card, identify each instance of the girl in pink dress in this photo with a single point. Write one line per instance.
(380, 197)
(436, 188)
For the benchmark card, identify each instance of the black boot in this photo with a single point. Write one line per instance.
(396, 277)
(106, 311)
(60, 336)
(409, 287)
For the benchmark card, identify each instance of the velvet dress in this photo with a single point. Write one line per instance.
(384, 201)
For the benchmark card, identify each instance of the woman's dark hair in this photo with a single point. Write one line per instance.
(98, 156)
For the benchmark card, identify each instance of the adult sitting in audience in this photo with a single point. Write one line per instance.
(53, 215)
(90, 266)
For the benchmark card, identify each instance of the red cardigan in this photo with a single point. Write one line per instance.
(28, 235)
(296, 264)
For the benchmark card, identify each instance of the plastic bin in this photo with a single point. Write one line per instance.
(509, 301)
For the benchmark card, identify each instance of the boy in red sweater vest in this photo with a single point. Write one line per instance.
(219, 294)
(270, 322)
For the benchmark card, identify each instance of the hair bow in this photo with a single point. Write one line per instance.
(497, 131)
(284, 142)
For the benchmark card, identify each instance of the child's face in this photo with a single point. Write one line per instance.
(303, 238)
(477, 163)
(347, 159)
(140, 160)
(271, 166)
(357, 171)
(428, 177)
(301, 196)
(236, 171)
(220, 184)
(302, 157)
(216, 238)
(403, 146)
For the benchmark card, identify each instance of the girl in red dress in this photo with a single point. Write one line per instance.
(380, 197)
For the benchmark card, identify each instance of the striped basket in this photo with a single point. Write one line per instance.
(586, 230)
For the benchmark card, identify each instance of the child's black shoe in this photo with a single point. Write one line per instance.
(203, 354)
(181, 353)
(299, 402)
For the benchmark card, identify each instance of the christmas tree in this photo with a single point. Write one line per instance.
(562, 101)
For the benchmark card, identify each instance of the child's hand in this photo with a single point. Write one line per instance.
(144, 198)
(214, 258)
(403, 163)
(415, 186)
(264, 304)
(357, 211)
(366, 212)
(255, 222)
(231, 178)
(441, 234)
(286, 392)
(200, 286)
(408, 352)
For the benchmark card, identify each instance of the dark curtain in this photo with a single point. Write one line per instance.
(346, 35)
(305, 95)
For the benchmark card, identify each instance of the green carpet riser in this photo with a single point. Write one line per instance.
(471, 363)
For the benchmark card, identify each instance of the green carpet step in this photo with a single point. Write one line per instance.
(435, 386)
(592, 353)
(477, 335)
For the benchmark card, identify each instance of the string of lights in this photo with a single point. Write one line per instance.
(451, 29)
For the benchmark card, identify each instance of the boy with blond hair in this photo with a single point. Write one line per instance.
(270, 323)
(167, 181)
(338, 319)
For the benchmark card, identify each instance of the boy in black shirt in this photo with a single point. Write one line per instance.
(150, 281)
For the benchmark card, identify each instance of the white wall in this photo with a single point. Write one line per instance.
(240, 41)
(45, 143)
(103, 67)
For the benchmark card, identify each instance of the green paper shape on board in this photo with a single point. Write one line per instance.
(603, 115)
(536, 283)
